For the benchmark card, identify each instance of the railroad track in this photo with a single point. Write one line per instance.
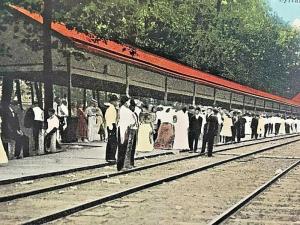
(172, 171)
(279, 196)
(105, 165)
(34, 188)
(197, 199)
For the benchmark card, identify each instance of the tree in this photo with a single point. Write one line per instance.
(47, 56)
(239, 40)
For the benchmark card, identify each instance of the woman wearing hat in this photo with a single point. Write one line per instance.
(93, 128)
(165, 137)
(145, 131)
(226, 131)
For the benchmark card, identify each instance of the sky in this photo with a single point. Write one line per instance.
(288, 10)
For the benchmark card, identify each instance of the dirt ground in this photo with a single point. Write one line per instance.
(196, 199)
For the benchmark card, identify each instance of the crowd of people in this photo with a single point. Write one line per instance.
(129, 126)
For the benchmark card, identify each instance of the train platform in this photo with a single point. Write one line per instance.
(74, 157)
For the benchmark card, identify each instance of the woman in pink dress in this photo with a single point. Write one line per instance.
(82, 124)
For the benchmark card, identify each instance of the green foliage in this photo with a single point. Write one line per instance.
(240, 40)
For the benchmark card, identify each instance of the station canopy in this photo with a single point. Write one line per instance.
(152, 61)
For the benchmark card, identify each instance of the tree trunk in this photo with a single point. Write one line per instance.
(69, 84)
(7, 89)
(47, 57)
(218, 6)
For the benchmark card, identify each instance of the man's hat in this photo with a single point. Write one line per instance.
(113, 98)
(132, 102)
(215, 110)
(124, 99)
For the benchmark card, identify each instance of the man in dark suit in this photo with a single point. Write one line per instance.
(210, 131)
(254, 125)
(195, 130)
(240, 127)
(11, 130)
(191, 113)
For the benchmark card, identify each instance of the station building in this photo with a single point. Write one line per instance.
(109, 67)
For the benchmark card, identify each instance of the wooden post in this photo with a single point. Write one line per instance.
(105, 96)
(38, 92)
(194, 95)
(69, 72)
(244, 109)
(230, 101)
(18, 92)
(94, 94)
(166, 91)
(84, 98)
(215, 97)
(280, 108)
(98, 98)
(285, 111)
(255, 105)
(32, 93)
(127, 81)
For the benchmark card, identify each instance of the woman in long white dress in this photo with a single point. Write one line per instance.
(3, 156)
(226, 129)
(261, 126)
(181, 127)
(282, 126)
(145, 131)
(248, 130)
(93, 127)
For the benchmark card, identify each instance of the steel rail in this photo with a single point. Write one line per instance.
(114, 174)
(78, 169)
(239, 205)
(99, 201)
(97, 166)
(262, 138)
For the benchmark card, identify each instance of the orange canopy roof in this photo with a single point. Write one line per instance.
(150, 60)
(297, 98)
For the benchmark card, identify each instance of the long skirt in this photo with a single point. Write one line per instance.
(81, 128)
(144, 138)
(181, 141)
(282, 128)
(165, 137)
(3, 156)
(93, 129)
(112, 144)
